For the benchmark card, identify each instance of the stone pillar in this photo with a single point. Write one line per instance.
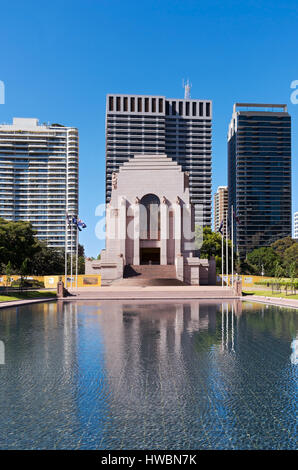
(164, 233)
(188, 236)
(136, 241)
(111, 233)
(122, 228)
(238, 287)
(60, 289)
(177, 227)
(179, 263)
(193, 268)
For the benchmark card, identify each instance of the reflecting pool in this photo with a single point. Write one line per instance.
(148, 375)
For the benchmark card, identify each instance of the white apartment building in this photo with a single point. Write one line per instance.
(296, 225)
(220, 207)
(39, 177)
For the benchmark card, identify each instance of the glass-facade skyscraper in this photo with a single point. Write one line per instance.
(259, 174)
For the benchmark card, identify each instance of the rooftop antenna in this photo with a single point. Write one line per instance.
(187, 86)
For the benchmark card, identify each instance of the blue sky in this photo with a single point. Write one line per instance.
(60, 58)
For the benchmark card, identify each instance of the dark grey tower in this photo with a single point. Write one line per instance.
(259, 174)
(155, 124)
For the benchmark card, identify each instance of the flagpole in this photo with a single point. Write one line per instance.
(232, 217)
(71, 250)
(227, 250)
(222, 260)
(66, 242)
(77, 255)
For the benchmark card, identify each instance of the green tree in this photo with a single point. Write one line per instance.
(81, 265)
(81, 250)
(263, 258)
(211, 246)
(291, 255)
(23, 272)
(287, 250)
(278, 270)
(280, 246)
(17, 242)
(47, 261)
(292, 271)
(8, 273)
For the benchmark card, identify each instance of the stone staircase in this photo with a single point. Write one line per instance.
(149, 275)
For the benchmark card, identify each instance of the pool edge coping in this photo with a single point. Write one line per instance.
(18, 303)
(287, 303)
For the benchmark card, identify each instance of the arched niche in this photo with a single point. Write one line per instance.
(150, 217)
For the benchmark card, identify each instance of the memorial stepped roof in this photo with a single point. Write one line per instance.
(151, 162)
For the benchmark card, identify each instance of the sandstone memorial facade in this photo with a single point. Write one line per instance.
(150, 221)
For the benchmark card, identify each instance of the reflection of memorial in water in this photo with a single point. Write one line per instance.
(154, 338)
(148, 375)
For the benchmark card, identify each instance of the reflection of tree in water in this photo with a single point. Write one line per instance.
(204, 339)
(282, 323)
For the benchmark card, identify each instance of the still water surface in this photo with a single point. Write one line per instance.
(148, 375)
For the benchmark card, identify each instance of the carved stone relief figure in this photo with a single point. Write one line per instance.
(114, 180)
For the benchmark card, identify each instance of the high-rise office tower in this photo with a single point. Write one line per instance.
(220, 207)
(259, 174)
(180, 129)
(39, 177)
(296, 225)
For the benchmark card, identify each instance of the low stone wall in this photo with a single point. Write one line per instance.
(195, 271)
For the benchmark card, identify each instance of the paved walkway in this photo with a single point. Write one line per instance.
(292, 303)
(17, 303)
(157, 293)
(151, 292)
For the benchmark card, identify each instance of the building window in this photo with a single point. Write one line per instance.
(118, 103)
(139, 105)
(208, 109)
(132, 104)
(125, 105)
(201, 109)
(153, 107)
(111, 103)
(173, 108)
(187, 108)
(180, 108)
(146, 105)
(160, 105)
(167, 108)
(194, 109)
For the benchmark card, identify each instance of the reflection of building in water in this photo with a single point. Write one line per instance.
(163, 332)
(162, 325)
(41, 346)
